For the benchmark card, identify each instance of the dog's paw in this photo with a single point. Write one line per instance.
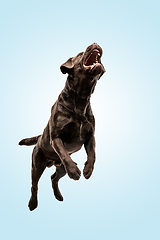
(58, 195)
(73, 171)
(87, 171)
(33, 203)
(56, 191)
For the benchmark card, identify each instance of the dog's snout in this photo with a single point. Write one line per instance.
(94, 46)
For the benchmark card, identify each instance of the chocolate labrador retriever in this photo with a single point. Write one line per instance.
(70, 126)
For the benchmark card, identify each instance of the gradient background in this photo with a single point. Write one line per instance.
(121, 199)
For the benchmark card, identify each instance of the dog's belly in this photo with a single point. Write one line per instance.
(73, 136)
(72, 147)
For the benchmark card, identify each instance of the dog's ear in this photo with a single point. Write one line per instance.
(67, 66)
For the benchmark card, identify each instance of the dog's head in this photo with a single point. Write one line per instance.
(88, 63)
(85, 68)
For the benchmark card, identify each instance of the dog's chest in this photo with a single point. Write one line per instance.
(75, 134)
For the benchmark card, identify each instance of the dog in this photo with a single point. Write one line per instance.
(71, 124)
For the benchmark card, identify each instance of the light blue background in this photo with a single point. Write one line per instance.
(121, 199)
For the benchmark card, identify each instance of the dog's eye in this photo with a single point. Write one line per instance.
(98, 57)
(79, 54)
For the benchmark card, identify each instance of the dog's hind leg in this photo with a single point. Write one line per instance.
(38, 166)
(60, 172)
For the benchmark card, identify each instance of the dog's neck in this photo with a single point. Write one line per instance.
(76, 101)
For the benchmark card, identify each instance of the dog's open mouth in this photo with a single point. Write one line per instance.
(92, 59)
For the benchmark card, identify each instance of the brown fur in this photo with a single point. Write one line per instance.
(70, 126)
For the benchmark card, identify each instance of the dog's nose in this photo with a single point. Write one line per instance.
(95, 45)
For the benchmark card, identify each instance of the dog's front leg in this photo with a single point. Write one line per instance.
(91, 157)
(70, 166)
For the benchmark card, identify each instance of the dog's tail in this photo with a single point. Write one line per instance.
(29, 141)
